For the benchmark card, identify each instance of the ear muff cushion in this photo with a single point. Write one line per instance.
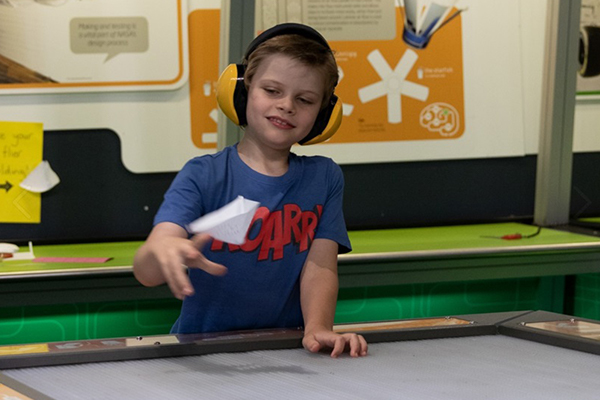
(327, 123)
(232, 96)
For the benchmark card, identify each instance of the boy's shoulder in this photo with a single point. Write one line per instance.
(315, 161)
(218, 157)
(313, 158)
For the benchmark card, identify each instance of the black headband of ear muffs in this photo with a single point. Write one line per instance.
(289, 28)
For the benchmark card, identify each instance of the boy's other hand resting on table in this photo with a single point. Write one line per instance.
(355, 344)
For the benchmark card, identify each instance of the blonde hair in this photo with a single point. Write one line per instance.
(307, 51)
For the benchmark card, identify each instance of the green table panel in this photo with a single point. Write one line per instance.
(460, 237)
(465, 253)
(423, 272)
(121, 252)
(380, 258)
(417, 242)
(593, 219)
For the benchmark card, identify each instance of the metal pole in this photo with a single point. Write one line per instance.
(555, 155)
(237, 31)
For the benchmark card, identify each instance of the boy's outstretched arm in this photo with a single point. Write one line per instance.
(167, 252)
(318, 297)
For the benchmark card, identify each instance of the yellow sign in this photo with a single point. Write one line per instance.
(20, 152)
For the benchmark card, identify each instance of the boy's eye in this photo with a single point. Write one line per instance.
(270, 91)
(306, 101)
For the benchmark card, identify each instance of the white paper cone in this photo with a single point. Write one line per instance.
(41, 179)
(229, 223)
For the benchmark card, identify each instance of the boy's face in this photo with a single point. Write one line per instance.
(284, 99)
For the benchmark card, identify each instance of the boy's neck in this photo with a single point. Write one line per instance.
(265, 161)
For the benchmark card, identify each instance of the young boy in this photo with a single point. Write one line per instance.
(285, 274)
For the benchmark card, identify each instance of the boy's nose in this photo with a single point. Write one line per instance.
(286, 105)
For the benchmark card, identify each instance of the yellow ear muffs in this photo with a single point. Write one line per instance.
(232, 96)
(327, 123)
(231, 93)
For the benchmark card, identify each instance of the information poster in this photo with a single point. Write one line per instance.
(395, 91)
(90, 45)
(447, 88)
(401, 68)
(20, 152)
(435, 81)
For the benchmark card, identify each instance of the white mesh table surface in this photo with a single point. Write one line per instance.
(479, 367)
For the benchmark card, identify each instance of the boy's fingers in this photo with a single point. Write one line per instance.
(201, 262)
(311, 344)
(209, 266)
(179, 283)
(364, 347)
(200, 240)
(357, 344)
(338, 346)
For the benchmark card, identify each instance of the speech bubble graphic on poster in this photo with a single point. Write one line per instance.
(109, 35)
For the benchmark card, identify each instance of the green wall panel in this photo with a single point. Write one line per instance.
(154, 317)
(586, 299)
(441, 299)
(86, 321)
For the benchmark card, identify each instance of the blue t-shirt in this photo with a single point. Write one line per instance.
(261, 288)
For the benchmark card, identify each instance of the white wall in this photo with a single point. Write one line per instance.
(154, 127)
(586, 133)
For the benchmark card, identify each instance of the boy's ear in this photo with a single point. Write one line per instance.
(232, 95)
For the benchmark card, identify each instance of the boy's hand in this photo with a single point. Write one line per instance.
(167, 254)
(197, 259)
(181, 254)
(356, 344)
